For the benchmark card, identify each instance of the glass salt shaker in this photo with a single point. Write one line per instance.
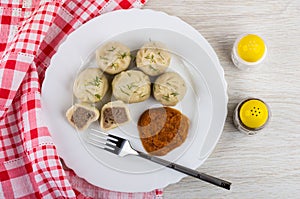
(251, 115)
(249, 51)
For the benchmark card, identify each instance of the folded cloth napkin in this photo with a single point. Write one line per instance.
(31, 31)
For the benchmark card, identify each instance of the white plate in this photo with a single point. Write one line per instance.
(197, 64)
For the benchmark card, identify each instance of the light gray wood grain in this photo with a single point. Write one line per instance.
(266, 165)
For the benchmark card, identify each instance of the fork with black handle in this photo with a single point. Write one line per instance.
(122, 147)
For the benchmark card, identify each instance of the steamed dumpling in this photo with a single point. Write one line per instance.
(153, 58)
(169, 88)
(131, 86)
(91, 85)
(82, 115)
(113, 57)
(114, 114)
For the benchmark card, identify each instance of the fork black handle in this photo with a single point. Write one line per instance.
(202, 176)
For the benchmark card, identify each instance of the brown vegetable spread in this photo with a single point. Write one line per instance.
(162, 129)
(81, 116)
(114, 115)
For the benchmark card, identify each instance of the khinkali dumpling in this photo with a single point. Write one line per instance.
(113, 57)
(169, 88)
(153, 58)
(91, 85)
(131, 86)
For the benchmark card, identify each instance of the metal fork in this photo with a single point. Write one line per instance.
(122, 147)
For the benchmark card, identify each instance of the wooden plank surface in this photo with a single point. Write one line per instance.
(266, 165)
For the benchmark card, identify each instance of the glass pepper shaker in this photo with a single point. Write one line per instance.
(251, 115)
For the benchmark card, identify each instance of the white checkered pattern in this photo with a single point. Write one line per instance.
(22, 191)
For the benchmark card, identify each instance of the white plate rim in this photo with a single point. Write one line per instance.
(212, 54)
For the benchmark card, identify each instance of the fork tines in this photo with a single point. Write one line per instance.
(105, 141)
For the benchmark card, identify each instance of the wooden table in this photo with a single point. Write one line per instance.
(266, 165)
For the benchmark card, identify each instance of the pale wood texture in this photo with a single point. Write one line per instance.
(266, 165)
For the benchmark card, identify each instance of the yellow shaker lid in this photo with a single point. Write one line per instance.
(251, 48)
(254, 113)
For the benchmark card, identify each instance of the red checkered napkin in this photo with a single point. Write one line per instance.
(30, 33)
